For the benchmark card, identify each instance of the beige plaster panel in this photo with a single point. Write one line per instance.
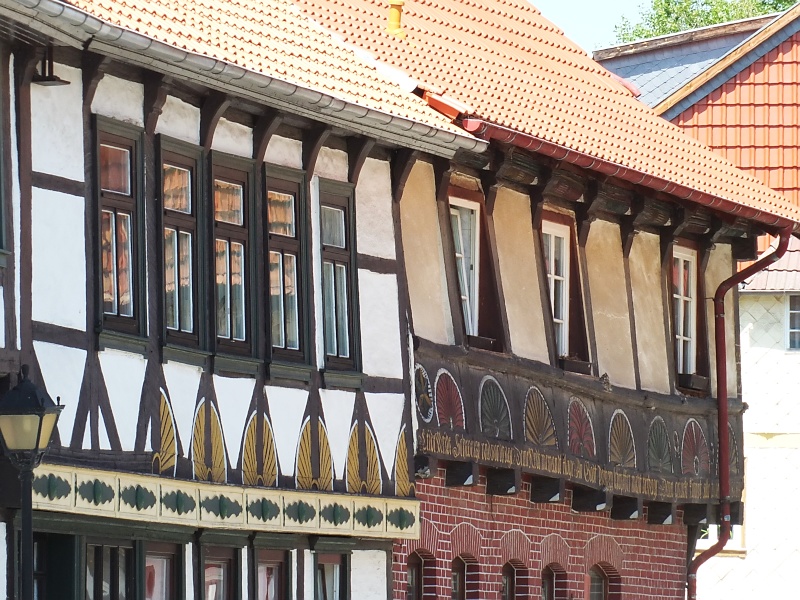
(422, 248)
(719, 268)
(515, 251)
(648, 312)
(607, 288)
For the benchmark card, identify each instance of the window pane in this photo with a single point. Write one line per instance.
(216, 581)
(170, 278)
(124, 266)
(687, 357)
(687, 278)
(687, 318)
(454, 223)
(342, 328)
(177, 189)
(223, 290)
(794, 321)
(269, 581)
(677, 315)
(559, 330)
(237, 291)
(276, 298)
(329, 301)
(157, 571)
(122, 568)
(90, 572)
(794, 302)
(558, 256)
(676, 279)
(186, 295)
(228, 202)
(280, 213)
(794, 340)
(332, 227)
(115, 169)
(547, 240)
(108, 257)
(558, 299)
(290, 302)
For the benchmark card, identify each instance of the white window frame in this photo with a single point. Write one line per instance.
(457, 205)
(685, 255)
(559, 230)
(788, 329)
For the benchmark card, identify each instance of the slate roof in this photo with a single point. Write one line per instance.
(782, 275)
(515, 69)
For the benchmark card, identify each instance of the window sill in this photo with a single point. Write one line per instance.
(126, 342)
(351, 380)
(225, 364)
(574, 365)
(693, 382)
(483, 343)
(293, 371)
(190, 356)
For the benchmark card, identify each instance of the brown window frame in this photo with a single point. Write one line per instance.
(343, 561)
(276, 558)
(190, 158)
(221, 555)
(122, 135)
(340, 196)
(238, 172)
(173, 551)
(130, 568)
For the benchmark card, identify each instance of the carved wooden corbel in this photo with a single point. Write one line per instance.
(402, 162)
(93, 68)
(265, 128)
(312, 144)
(358, 149)
(213, 108)
(156, 86)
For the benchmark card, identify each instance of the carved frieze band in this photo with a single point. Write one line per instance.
(159, 500)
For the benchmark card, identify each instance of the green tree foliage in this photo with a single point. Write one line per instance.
(670, 16)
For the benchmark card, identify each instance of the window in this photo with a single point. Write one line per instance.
(270, 575)
(218, 572)
(159, 572)
(338, 286)
(231, 272)
(509, 589)
(598, 584)
(109, 572)
(284, 208)
(556, 246)
(794, 322)
(464, 224)
(548, 584)
(414, 575)
(684, 308)
(458, 578)
(179, 185)
(332, 579)
(119, 187)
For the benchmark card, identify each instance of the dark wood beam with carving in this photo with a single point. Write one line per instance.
(265, 128)
(358, 149)
(313, 140)
(213, 108)
(156, 87)
(92, 71)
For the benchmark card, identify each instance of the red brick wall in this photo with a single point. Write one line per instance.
(488, 531)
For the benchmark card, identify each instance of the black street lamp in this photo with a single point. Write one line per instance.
(28, 417)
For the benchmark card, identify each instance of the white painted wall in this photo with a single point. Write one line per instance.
(15, 203)
(233, 398)
(119, 99)
(183, 382)
(308, 575)
(57, 126)
(368, 574)
(233, 138)
(386, 412)
(285, 152)
(179, 120)
(62, 370)
(331, 164)
(375, 229)
(337, 406)
(59, 259)
(286, 408)
(123, 374)
(380, 328)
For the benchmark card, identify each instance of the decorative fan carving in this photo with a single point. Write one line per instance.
(402, 481)
(325, 480)
(695, 456)
(165, 460)
(495, 416)
(423, 393)
(373, 483)
(353, 463)
(659, 453)
(621, 447)
(268, 473)
(304, 476)
(581, 432)
(733, 452)
(449, 405)
(539, 426)
(217, 470)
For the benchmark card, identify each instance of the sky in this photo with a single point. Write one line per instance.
(590, 23)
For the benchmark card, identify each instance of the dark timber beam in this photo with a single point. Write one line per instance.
(586, 499)
(213, 108)
(156, 86)
(402, 162)
(93, 70)
(313, 141)
(660, 513)
(626, 508)
(265, 128)
(358, 149)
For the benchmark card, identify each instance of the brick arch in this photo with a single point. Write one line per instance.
(465, 541)
(515, 548)
(554, 552)
(604, 550)
(428, 542)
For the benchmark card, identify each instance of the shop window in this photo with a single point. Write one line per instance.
(684, 308)
(509, 582)
(271, 575)
(109, 572)
(218, 574)
(160, 572)
(793, 322)
(332, 580)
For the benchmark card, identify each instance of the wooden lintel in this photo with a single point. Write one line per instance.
(358, 149)
(265, 128)
(93, 68)
(156, 86)
(213, 108)
(312, 144)
(402, 162)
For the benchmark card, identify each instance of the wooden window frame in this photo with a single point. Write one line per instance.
(471, 321)
(327, 558)
(115, 133)
(788, 329)
(238, 171)
(686, 255)
(223, 555)
(189, 157)
(417, 564)
(174, 551)
(130, 569)
(341, 196)
(289, 181)
(458, 571)
(560, 231)
(276, 558)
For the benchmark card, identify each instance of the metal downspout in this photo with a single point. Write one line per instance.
(721, 354)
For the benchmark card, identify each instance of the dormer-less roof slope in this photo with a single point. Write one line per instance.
(781, 276)
(231, 40)
(517, 71)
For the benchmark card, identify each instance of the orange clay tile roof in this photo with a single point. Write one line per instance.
(271, 37)
(516, 69)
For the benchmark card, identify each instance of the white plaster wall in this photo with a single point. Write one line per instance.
(648, 312)
(337, 406)
(15, 204)
(119, 99)
(62, 370)
(189, 575)
(285, 152)
(183, 381)
(718, 269)
(308, 575)
(233, 138)
(233, 398)
(59, 259)
(520, 278)
(179, 120)
(286, 409)
(123, 374)
(368, 574)
(610, 303)
(380, 329)
(57, 126)
(375, 226)
(331, 164)
(386, 411)
(424, 258)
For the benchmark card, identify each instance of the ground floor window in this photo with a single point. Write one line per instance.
(332, 577)
(109, 572)
(458, 580)
(271, 574)
(509, 589)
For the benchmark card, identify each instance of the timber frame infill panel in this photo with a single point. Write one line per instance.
(156, 500)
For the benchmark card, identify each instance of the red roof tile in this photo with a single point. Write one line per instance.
(517, 70)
